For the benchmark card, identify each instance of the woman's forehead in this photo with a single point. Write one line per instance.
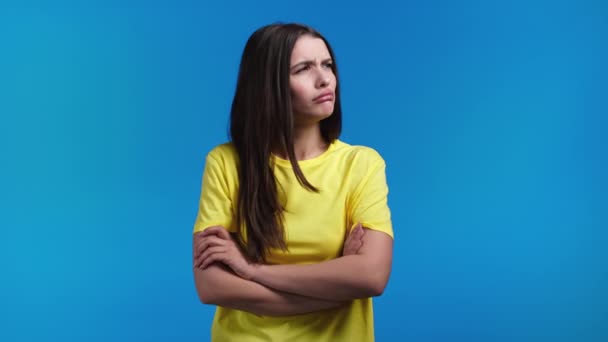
(309, 48)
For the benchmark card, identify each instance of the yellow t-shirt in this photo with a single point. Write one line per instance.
(353, 189)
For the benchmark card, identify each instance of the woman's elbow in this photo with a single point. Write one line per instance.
(205, 292)
(205, 296)
(377, 281)
(377, 287)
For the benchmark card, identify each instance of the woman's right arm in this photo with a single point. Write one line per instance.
(218, 285)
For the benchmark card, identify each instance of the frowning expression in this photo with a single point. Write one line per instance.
(312, 80)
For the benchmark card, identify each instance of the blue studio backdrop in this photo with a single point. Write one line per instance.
(491, 116)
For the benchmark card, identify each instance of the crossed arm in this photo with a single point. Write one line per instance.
(224, 277)
(360, 275)
(219, 286)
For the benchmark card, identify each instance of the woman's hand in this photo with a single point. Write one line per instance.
(354, 241)
(216, 245)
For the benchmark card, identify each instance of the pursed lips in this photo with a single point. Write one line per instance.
(325, 96)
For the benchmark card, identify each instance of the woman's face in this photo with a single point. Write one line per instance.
(312, 81)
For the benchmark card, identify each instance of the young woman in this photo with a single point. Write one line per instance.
(293, 235)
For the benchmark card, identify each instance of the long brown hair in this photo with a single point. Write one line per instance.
(261, 121)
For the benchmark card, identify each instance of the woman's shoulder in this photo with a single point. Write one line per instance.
(358, 153)
(223, 153)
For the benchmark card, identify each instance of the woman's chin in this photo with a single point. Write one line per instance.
(315, 116)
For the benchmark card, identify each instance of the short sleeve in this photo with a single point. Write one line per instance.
(215, 205)
(370, 199)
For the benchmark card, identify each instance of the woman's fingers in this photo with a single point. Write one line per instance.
(201, 260)
(208, 241)
(350, 244)
(218, 231)
(360, 231)
(219, 256)
(349, 237)
(354, 240)
(213, 244)
(357, 232)
(356, 245)
(211, 237)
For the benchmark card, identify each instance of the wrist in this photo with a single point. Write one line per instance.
(256, 272)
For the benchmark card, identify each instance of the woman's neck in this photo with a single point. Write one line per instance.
(307, 142)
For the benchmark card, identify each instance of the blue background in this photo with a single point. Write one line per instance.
(491, 116)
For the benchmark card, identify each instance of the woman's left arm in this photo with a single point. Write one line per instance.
(361, 275)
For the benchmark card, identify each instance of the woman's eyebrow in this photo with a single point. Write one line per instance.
(309, 62)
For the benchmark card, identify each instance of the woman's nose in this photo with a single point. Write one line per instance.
(323, 80)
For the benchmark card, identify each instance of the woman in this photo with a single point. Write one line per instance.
(293, 236)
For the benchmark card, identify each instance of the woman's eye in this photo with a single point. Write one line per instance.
(328, 65)
(303, 69)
